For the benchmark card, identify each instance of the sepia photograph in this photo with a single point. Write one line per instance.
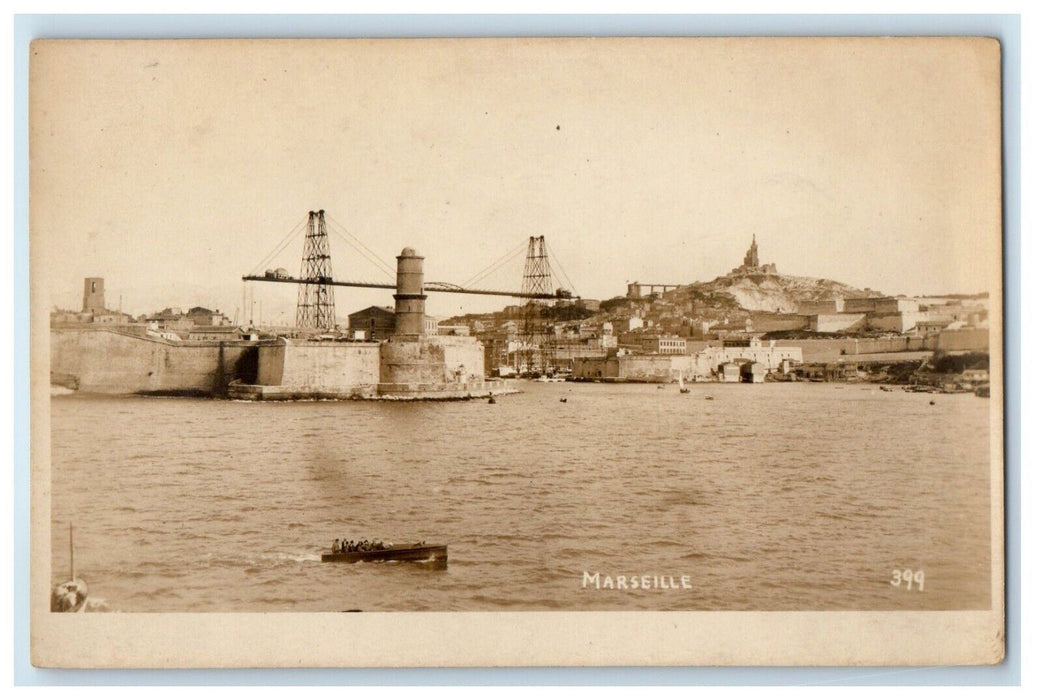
(523, 351)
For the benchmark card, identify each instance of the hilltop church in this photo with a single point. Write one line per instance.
(751, 263)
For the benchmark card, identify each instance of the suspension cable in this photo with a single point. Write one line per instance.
(380, 266)
(560, 267)
(493, 267)
(281, 245)
(361, 247)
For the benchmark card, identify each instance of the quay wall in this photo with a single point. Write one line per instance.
(647, 368)
(110, 361)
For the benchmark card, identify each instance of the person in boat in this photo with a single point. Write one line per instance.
(336, 545)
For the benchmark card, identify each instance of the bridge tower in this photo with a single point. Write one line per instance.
(535, 280)
(316, 307)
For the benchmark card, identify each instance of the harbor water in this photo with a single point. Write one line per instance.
(767, 497)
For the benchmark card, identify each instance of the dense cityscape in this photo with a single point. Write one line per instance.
(752, 324)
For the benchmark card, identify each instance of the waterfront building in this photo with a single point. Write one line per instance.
(173, 319)
(706, 361)
(371, 323)
(729, 372)
(664, 345)
(753, 372)
(701, 363)
(202, 316)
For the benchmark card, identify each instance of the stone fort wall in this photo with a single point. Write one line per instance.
(109, 361)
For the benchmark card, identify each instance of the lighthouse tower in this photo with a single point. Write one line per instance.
(409, 300)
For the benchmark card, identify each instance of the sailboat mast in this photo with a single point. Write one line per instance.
(72, 557)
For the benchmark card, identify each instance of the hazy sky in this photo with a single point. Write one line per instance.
(172, 169)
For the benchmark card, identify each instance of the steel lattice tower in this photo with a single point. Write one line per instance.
(316, 307)
(535, 280)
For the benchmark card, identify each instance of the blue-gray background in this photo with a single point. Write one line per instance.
(1004, 27)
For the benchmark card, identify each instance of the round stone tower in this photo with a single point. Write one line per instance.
(409, 299)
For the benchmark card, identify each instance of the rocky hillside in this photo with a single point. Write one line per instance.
(766, 292)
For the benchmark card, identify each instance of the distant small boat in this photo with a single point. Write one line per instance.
(709, 398)
(564, 399)
(683, 389)
(401, 552)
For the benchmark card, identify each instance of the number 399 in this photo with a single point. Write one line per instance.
(908, 578)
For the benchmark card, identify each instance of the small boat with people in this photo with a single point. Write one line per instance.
(70, 595)
(365, 550)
